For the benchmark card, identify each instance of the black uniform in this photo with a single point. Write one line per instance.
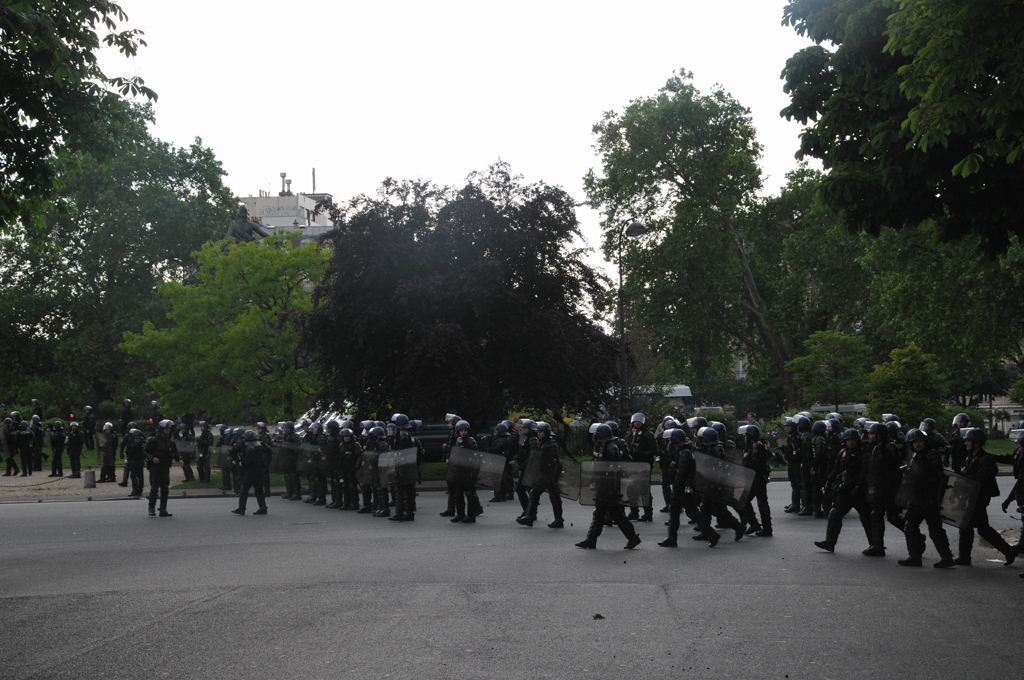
(467, 504)
(452, 437)
(57, 442)
(926, 465)
(883, 481)
(551, 467)
(89, 431)
(710, 507)
(185, 456)
(351, 456)
(405, 494)
(980, 466)
(523, 445)
(501, 445)
(758, 458)
(159, 453)
(38, 437)
(317, 478)
(643, 448)
(108, 463)
(251, 462)
(850, 482)
(203, 445)
(683, 471)
(607, 507)
(11, 434)
(135, 456)
(791, 453)
(26, 448)
(76, 441)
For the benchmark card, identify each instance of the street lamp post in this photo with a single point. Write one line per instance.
(633, 230)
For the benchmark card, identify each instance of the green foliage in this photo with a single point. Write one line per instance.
(728, 419)
(134, 223)
(1016, 393)
(966, 76)
(951, 301)
(56, 101)
(106, 410)
(233, 344)
(472, 300)
(721, 271)
(904, 105)
(835, 368)
(909, 385)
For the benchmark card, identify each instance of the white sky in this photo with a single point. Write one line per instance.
(366, 90)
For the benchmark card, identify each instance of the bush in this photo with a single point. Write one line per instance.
(106, 411)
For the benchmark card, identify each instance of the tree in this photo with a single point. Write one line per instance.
(951, 301)
(134, 222)
(835, 368)
(903, 109)
(721, 272)
(233, 344)
(472, 301)
(910, 386)
(56, 103)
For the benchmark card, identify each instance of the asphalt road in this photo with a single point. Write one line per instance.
(98, 589)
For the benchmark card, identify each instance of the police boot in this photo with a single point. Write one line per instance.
(450, 510)
(632, 539)
(460, 508)
(634, 514)
(474, 508)
(590, 542)
(877, 548)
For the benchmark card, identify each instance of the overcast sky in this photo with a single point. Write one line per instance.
(366, 90)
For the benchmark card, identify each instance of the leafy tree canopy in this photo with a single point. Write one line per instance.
(133, 223)
(233, 344)
(909, 105)
(473, 300)
(721, 271)
(909, 385)
(56, 102)
(835, 368)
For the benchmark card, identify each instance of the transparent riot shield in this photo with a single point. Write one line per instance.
(186, 447)
(48, 439)
(734, 455)
(105, 448)
(917, 492)
(959, 499)
(722, 481)
(480, 469)
(224, 461)
(308, 459)
(397, 467)
(368, 468)
(615, 483)
(539, 473)
(283, 457)
(569, 479)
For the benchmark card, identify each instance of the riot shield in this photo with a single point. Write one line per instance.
(48, 439)
(1013, 434)
(368, 468)
(283, 457)
(308, 459)
(917, 492)
(569, 479)
(186, 447)
(224, 461)
(480, 469)
(538, 473)
(105, 448)
(734, 455)
(722, 481)
(615, 483)
(959, 499)
(397, 467)
(5, 446)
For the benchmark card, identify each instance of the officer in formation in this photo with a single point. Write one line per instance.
(186, 434)
(160, 453)
(1016, 495)
(135, 460)
(643, 448)
(467, 504)
(606, 502)
(542, 461)
(252, 462)
(58, 440)
(203, 445)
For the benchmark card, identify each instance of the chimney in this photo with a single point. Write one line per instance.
(314, 180)
(284, 192)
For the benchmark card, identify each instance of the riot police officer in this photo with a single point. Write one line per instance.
(929, 481)
(757, 458)
(76, 441)
(11, 446)
(108, 463)
(332, 462)
(187, 435)
(500, 445)
(135, 456)
(467, 504)
(850, 478)
(684, 498)
(643, 448)
(203, 445)
(980, 466)
(883, 478)
(549, 467)
(405, 493)
(251, 461)
(607, 450)
(57, 441)
(351, 457)
(89, 429)
(791, 452)
(126, 431)
(160, 453)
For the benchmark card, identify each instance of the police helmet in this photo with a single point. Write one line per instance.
(664, 421)
(305, 422)
(960, 420)
(708, 435)
(928, 424)
(697, 422)
(137, 433)
(753, 432)
(501, 428)
(879, 430)
(366, 425)
(153, 404)
(1020, 438)
(250, 435)
(451, 418)
(463, 425)
(834, 416)
(8, 422)
(893, 428)
(527, 425)
(789, 422)
(333, 426)
(615, 427)
(543, 427)
(128, 401)
(602, 432)
(378, 423)
(133, 425)
(638, 418)
(401, 421)
(71, 424)
(417, 424)
(677, 435)
(36, 419)
(976, 435)
(861, 422)
(108, 426)
(851, 435)
(182, 426)
(803, 423)
(17, 414)
(261, 426)
(88, 409)
(23, 425)
(58, 425)
(507, 423)
(593, 427)
(377, 432)
(390, 427)
(346, 432)
(347, 424)
(916, 435)
(819, 427)
(720, 429)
